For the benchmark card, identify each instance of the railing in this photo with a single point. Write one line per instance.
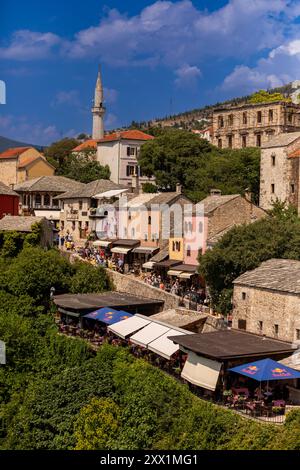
(72, 215)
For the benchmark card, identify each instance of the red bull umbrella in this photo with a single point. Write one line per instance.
(266, 370)
(108, 315)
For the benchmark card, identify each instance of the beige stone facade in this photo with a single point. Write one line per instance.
(279, 171)
(260, 311)
(253, 125)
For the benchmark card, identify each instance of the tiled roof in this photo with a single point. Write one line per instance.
(211, 203)
(295, 154)
(282, 140)
(91, 189)
(13, 152)
(126, 135)
(27, 161)
(275, 274)
(6, 190)
(18, 223)
(91, 143)
(58, 184)
(166, 198)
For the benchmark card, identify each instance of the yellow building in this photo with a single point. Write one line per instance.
(176, 251)
(21, 164)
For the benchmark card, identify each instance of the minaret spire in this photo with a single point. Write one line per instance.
(98, 110)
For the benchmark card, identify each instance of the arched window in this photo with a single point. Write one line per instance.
(188, 251)
(200, 227)
(149, 220)
(38, 199)
(133, 232)
(190, 227)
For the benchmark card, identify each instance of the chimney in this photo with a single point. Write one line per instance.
(248, 195)
(215, 192)
(178, 188)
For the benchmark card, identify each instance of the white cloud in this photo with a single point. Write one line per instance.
(19, 128)
(29, 45)
(187, 76)
(110, 120)
(281, 66)
(69, 98)
(169, 33)
(110, 95)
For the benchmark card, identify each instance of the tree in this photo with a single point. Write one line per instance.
(149, 188)
(244, 248)
(58, 152)
(97, 425)
(88, 279)
(263, 96)
(84, 168)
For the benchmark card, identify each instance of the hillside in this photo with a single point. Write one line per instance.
(190, 119)
(6, 143)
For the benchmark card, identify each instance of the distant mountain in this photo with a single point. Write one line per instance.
(6, 143)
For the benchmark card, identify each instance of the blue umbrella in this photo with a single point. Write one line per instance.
(266, 370)
(108, 315)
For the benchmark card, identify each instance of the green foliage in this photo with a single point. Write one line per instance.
(263, 96)
(149, 188)
(58, 152)
(97, 425)
(244, 248)
(84, 167)
(177, 156)
(88, 279)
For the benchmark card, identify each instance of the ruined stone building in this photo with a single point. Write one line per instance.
(253, 125)
(279, 171)
(266, 300)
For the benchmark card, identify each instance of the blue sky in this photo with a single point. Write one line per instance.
(152, 53)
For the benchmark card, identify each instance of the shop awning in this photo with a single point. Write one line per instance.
(148, 265)
(147, 250)
(149, 334)
(168, 263)
(163, 346)
(108, 315)
(131, 325)
(201, 371)
(186, 275)
(173, 272)
(187, 268)
(110, 193)
(103, 243)
(121, 249)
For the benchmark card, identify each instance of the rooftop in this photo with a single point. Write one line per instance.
(56, 184)
(87, 144)
(13, 152)
(282, 140)
(275, 274)
(212, 202)
(126, 135)
(180, 318)
(229, 344)
(17, 223)
(6, 190)
(91, 189)
(92, 302)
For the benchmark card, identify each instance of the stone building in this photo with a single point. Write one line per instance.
(253, 125)
(221, 213)
(21, 164)
(266, 300)
(25, 224)
(38, 195)
(79, 209)
(279, 171)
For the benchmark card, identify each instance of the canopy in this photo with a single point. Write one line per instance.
(109, 193)
(146, 250)
(121, 249)
(173, 272)
(149, 334)
(163, 346)
(103, 243)
(266, 370)
(108, 315)
(201, 371)
(131, 325)
(186, 275)
(148, 265)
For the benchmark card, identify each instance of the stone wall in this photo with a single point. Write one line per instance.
(8, 172)
(133, 286)
(256, 305)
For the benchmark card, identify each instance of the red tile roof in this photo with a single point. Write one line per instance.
(28, 160)
(91, 143)
(13, 152)
(295, 154)
(126, 135)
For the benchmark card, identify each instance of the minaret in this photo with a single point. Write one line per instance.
(98, 110)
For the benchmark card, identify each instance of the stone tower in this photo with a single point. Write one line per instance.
(98, 110)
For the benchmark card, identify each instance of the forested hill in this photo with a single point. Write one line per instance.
(187, 118)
